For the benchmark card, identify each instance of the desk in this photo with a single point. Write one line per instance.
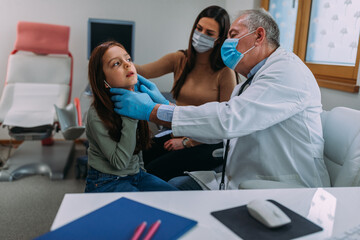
(197, 205)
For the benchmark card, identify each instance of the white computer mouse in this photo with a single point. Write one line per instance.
(267, 213)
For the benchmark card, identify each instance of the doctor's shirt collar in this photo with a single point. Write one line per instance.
(254, 70)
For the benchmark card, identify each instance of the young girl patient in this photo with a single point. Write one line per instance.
(115, 142)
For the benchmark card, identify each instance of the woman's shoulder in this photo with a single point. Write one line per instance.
(180, 60)
(227, 74)
(225, 70)
(177, 56)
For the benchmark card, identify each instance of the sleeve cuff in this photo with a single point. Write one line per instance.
(165, 112)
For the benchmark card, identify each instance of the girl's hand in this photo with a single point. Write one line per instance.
(174, 144)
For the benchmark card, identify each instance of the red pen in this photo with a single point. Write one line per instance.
(138, 231)
(152, 230)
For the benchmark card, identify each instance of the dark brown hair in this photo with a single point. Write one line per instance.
(216, 63)
(103, 104)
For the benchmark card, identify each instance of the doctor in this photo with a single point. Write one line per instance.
(273, 122)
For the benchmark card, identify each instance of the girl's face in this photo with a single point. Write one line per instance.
(119, 69)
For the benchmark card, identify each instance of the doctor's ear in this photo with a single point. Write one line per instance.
(260, 35)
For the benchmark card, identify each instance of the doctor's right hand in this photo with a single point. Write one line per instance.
(132, 104)
(150, 88)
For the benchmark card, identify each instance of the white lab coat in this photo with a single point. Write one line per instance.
(274, 127)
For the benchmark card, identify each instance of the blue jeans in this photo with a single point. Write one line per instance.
(101, 182)
(185, 183)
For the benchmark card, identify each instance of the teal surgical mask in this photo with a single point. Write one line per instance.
(202, 42)
(230, 55)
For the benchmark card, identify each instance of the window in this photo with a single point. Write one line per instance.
(324, 34)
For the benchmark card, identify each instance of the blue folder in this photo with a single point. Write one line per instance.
(119, 220)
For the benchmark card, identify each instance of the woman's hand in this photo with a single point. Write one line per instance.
(174, 144)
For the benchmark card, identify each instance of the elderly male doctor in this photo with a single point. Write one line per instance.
(273, 124)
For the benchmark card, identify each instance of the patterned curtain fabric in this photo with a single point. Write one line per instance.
(334, 32)
(285, 13)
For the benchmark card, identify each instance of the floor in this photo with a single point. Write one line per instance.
(29, 205)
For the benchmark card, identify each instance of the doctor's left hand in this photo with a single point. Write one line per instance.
(151, 89)
(132, 104)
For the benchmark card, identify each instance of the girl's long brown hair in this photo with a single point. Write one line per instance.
(103, 104)
(216, 63)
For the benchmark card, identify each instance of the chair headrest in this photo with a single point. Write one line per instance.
(342, 146)
(341, 134)
(42, 38)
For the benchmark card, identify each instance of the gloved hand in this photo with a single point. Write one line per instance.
(137, 86)
(132, 104)
(150, 88)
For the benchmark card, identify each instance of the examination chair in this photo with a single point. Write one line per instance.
(37, 86)
(341, 130)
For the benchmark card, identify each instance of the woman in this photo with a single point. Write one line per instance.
(115, 142)
(200, 76)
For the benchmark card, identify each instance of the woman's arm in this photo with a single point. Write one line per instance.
(164, 65)
(227, 83)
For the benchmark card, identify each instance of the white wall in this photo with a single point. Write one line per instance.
(233, 6)
(332, 98)
(157, 31)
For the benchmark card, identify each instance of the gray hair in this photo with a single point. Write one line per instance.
(256, 18)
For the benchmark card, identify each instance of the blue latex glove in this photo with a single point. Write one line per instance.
(132, 104)
(150, 88)
(137, 86)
